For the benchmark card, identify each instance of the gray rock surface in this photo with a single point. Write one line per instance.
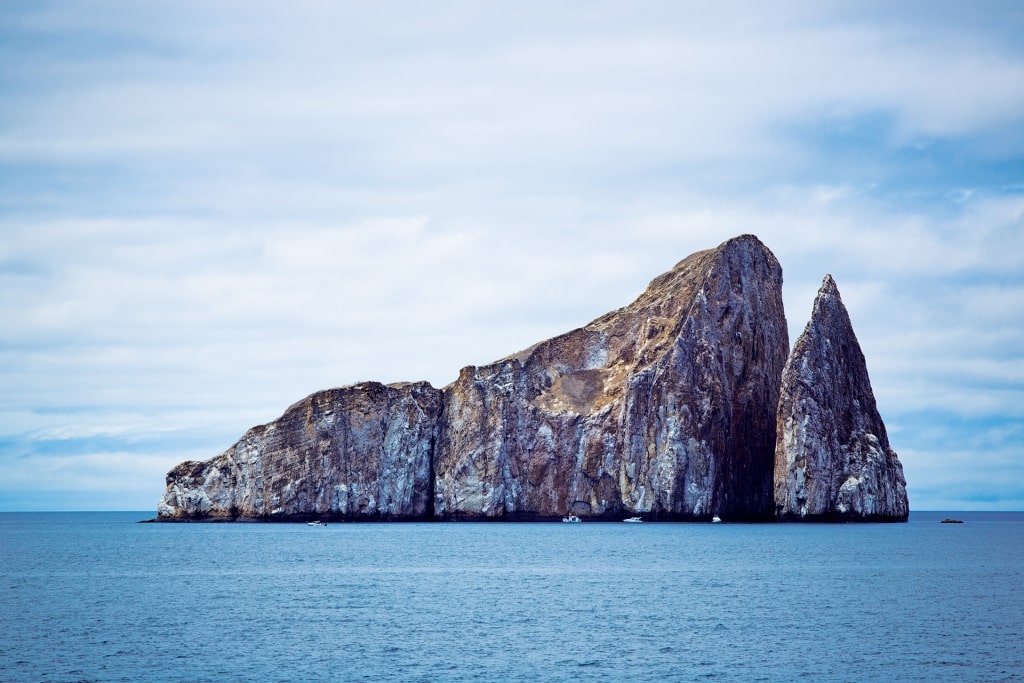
(833, 460)
(363, 451)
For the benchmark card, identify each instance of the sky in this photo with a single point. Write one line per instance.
(209, 210)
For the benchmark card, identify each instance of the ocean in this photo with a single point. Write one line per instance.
(98, 597)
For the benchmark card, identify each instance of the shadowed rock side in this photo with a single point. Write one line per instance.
(363, 451)
(665, 407)
(832, 459)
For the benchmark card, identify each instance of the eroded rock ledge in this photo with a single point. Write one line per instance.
(665, 408)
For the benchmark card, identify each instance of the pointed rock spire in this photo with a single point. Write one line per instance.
(832, 454)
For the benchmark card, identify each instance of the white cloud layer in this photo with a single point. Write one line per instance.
(209, 210)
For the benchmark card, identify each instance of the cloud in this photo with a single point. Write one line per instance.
(535, 96)
(210, 210)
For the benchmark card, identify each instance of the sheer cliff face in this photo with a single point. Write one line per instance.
(666, 406)
(833, 459)
(361, 451)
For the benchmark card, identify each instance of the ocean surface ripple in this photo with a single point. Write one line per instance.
(95, 597)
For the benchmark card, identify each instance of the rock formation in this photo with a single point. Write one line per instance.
(664, 408)
(364, 451)
(832, 460)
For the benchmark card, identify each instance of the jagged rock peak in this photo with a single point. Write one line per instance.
(833, 460)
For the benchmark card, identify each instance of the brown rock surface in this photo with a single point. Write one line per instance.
(832, 459)
(664, 407)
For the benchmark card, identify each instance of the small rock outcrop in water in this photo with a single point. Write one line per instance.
(832, 459)
(666, 407)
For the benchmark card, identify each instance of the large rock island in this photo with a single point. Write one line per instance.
(665, 408)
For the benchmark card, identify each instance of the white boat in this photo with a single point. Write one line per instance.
(316, 523)
(632, 520)
(571, 519)
(716, 519)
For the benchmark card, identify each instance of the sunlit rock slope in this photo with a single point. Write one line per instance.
(664, 407)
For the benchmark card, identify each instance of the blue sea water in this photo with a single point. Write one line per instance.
(97, 597)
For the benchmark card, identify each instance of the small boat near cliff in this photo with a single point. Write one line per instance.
(571, 519)
(716, 520)
(632, 520)
(316, 523)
